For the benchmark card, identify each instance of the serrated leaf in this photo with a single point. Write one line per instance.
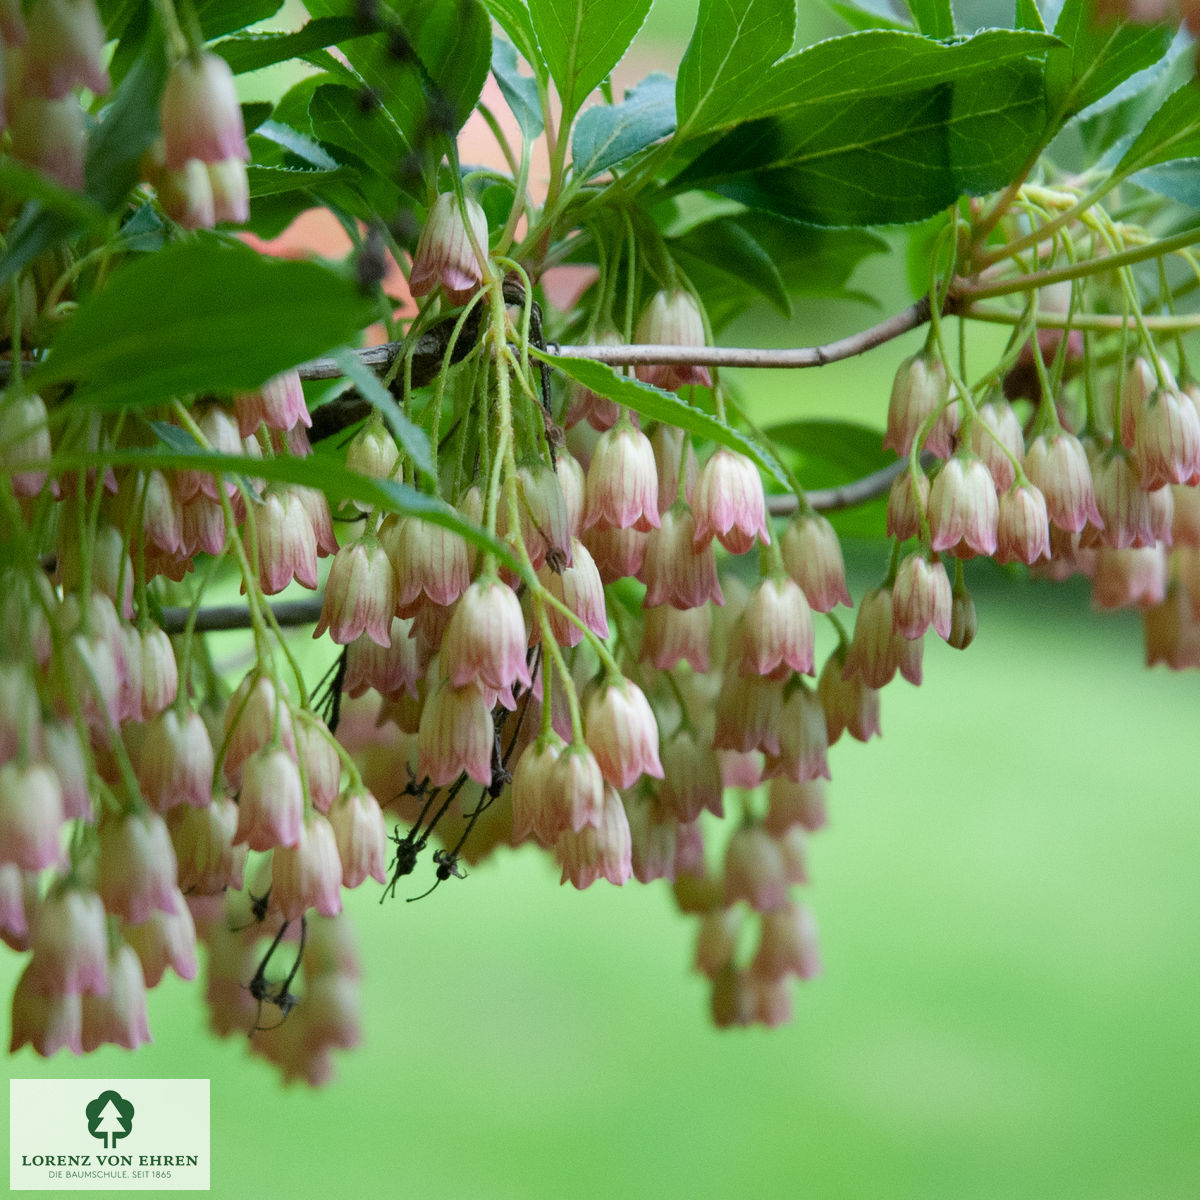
(1097, 56)
(219, 17)
(607, 134)
(934, 18)
(297, 143)
(519, 91)
(410, 436)
(867, 158)
(272, 181)
(513, 17)
(253, 51)
(656, 405)
(582, 41)
(734, 43)
(203, 315)
(1173, 132)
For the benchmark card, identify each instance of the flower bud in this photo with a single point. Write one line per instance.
(672, 319)
(905, 506)
(749, 711)
(575, 786)
(444, 252)
(964, 621)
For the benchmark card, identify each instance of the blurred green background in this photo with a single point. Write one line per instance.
(1008, 899)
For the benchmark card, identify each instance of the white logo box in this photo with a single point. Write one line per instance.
(119, 1135)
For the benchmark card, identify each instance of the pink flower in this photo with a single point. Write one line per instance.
(919, 390)
(174, 760)
(716, 942)
(803, 739)
(796, 803)
(603, 850)
(963, 506)
(672, 319)
(1132, 516)
(813, 557)
(617, 553)
(486, 640)
(444, 252)
(906, 504)
(308, 874)
(1057, 463)
(24, 438)
(691, 778)
(137, 870)
(1167, 446)
(729, 502)
(776, 630)
(208, 860)
(749, 709)
(70, 944)
(360, 594)
(47, 1021)
(230, 188)
(358, 826)
(671, 635)
(456, 735)
(392, 670)
(1133, 578)
(580, 589)
(257, 713)
(622, 733)
(575, 792)
(754, 869)
(674, 570)
(65, 49)
(431, 564)
(873, 655)
(533, 809)
(787, 944)
(850, 705)
(545, 521)
(584, 404)
(651, 839)
(164, 940)
(118, 1018)
(201, 116)
(622, 481)
(322, 764)
(31, 816)
(1023, 528)
(921, 597)
(997, 429)
(271, 802)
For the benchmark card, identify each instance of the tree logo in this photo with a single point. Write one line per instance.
(109, 1117)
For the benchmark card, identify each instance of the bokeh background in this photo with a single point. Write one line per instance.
(1008, 895)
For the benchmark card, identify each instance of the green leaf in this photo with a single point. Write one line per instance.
(862, 18)
(253, 51)
(338, 119)
(409, 435)
(1096, 56)
(520, 91)
(273, 181)
(886, 149)
(935, 18)
(607, 134)
(1178, 180)
(727, 249)
(18, 182)
(513, 17)
(1173, 132)
(877, 63)
(219, 17)
(203, 315)
(294, 142)
(1029, 16)
(656, 405)
(735, 42)
(583, 40)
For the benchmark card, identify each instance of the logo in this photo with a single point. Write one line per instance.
(109, 1118)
